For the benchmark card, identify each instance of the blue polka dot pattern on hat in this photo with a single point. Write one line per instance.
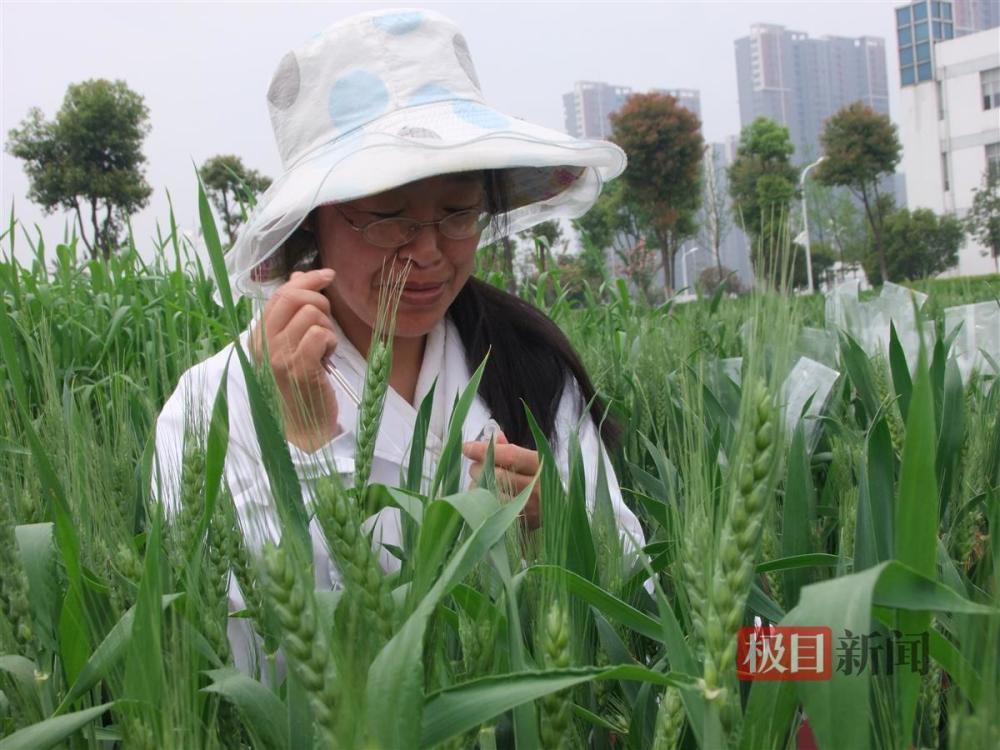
(357, 98)
(464, 58)
(430, 92)
(399, 23)
(284, 88)
(477, 114)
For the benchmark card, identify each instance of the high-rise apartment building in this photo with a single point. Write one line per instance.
(800, 82)
(589, 106)
(949, 123)
(921, 24)
(974, 15)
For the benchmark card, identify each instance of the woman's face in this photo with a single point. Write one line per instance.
(439, 266)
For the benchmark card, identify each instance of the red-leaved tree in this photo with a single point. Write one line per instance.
(664, 146)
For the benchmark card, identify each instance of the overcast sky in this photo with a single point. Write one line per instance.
(204, 67)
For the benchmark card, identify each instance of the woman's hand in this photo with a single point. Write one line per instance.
(515, 468)
(299, 332)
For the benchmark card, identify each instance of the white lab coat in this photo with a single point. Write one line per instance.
(444, 360)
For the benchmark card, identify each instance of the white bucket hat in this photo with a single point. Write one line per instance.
(388, 97)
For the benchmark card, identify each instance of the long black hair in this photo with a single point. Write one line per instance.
(530, 361)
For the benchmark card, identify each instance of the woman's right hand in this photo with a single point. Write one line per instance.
(298, 329)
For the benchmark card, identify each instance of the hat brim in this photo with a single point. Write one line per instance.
(549, 174)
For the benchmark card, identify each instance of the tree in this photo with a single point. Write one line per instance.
(918, 244)
(839, 223)
(664, 145)
(543, 238)
(614, 223)
(861, 148)
(762, 185)
(715, 220)
(231, 185)
(983, 220)
(89, 157)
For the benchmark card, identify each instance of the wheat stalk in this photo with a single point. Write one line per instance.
(557, 708)
(669, 720)
(355, 558)
(378, 372)
(738, 548)
(14, 606)
(295, 607)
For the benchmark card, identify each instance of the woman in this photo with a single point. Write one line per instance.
(392, 158)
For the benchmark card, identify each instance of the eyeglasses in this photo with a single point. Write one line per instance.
(397, 231)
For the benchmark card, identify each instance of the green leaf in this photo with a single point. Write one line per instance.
(38, 558)
(447, 478)
(106, 655)
(795, 562)
(457, 709)
(395, 679)
(215, 256)
(873, 540)
(798, 514)
(259, 708)
(51, 732)
(846, 603)
(901, 382)
(608, 604)
(415, 469)
(859, 369)
(917, 514)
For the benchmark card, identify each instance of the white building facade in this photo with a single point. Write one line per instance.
(950, 132)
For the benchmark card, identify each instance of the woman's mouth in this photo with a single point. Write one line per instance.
(422, 294)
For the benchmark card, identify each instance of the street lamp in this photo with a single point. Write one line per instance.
(684, 268)
(805, 222)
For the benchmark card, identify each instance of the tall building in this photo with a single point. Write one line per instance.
(800, 82)
(589, 106)
(975, 15)
(689, 98)
(949, 116)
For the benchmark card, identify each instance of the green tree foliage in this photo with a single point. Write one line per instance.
(862, 148)
(88, 159)
(762, 185)
(983, 220)
(838, 222)
(664, 145)
(232, 186)
(918, 244)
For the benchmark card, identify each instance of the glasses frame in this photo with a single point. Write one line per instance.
(484, 218)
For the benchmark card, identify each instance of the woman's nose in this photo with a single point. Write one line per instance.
(424, 249)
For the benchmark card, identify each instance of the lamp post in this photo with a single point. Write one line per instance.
(805, 222)
(684, 267)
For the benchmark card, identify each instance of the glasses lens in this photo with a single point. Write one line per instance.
(391, 232)
(464, 224)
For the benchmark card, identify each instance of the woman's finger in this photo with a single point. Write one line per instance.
(289, 299)
(507, 455)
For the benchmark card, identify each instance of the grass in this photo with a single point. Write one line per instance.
(112, 614)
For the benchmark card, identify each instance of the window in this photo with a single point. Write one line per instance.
(946, 11)
(924, 52)
(946, 183)
(989, 83)
(921, 31)
(902, 16)
(920, 12)
(905, 56)
(924, 72)
(936, 9)
(905, 36)
(993, 159)
(907, 77)
(937, 30)
(948, 32)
